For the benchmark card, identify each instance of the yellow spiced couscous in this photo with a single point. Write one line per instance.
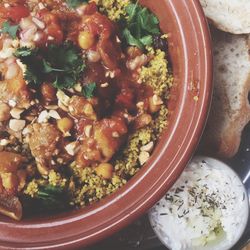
(83, 99)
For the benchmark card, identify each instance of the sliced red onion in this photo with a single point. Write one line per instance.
(28, 34)
(39, 23)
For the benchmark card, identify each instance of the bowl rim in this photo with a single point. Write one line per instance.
(68, 231)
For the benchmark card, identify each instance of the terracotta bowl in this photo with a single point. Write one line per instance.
(189, 46)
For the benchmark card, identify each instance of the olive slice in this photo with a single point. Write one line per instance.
(11, 206)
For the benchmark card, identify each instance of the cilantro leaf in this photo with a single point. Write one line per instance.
(34, 65)
(88, 90)
(24, 51)
(48, 198)
(75, 3)
(60, 64)
(131, 40)
(140, 26)
(146, 40)
(10, 29)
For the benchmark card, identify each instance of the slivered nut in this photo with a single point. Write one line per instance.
(157, 100)
(63, 98)
(110, 74)
(54, 114)
(26, 131)
(115, 134)
(72, 148)
(4, 142)
(51, 107)
(88, 130)
(12, 103)
(16, 125)
(104, 85)
(62, 106)
(143, 157)
(43, 117)
(16, 113)
(148, 147)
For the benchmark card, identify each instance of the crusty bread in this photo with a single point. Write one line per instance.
(230, 110)
(229, 15)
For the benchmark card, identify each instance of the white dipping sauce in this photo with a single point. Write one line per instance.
(207, 208)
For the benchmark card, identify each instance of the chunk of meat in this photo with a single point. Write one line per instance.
(11, 206)
(12, 178)
(107, 44)
(44, 141)
(53, 28)
(15, 90)
(10, 162)
(103, 143)
(79, 107)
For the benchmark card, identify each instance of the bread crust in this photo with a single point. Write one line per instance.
(228, 15)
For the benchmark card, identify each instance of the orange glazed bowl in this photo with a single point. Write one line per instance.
(190, 55)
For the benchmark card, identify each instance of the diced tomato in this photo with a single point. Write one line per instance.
(16, 13)
(53, 26)
(126, 99)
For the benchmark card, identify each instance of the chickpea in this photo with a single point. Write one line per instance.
(104, 170)
(155, 103)
(89, 111)
(48, 92)
(65, 124)
(86, 40)
(4, 112)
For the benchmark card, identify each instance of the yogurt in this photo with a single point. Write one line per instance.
(207, 208)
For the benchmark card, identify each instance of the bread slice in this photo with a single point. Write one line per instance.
(229, 15)
(230, 110)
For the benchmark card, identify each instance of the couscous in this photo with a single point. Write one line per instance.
(83, 100)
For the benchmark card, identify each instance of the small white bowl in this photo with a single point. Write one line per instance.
(161, 222)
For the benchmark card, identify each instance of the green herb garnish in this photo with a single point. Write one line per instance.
(75, 3)
(10, 29)
(140, 26)
(88, 90)
(51, 197)
(60, 64)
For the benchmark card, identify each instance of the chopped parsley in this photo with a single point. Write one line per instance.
(140, 26)
(60, 64)
(50, 195)
(48, 198)
(7, 28)
(75, 3)
(88, 90)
